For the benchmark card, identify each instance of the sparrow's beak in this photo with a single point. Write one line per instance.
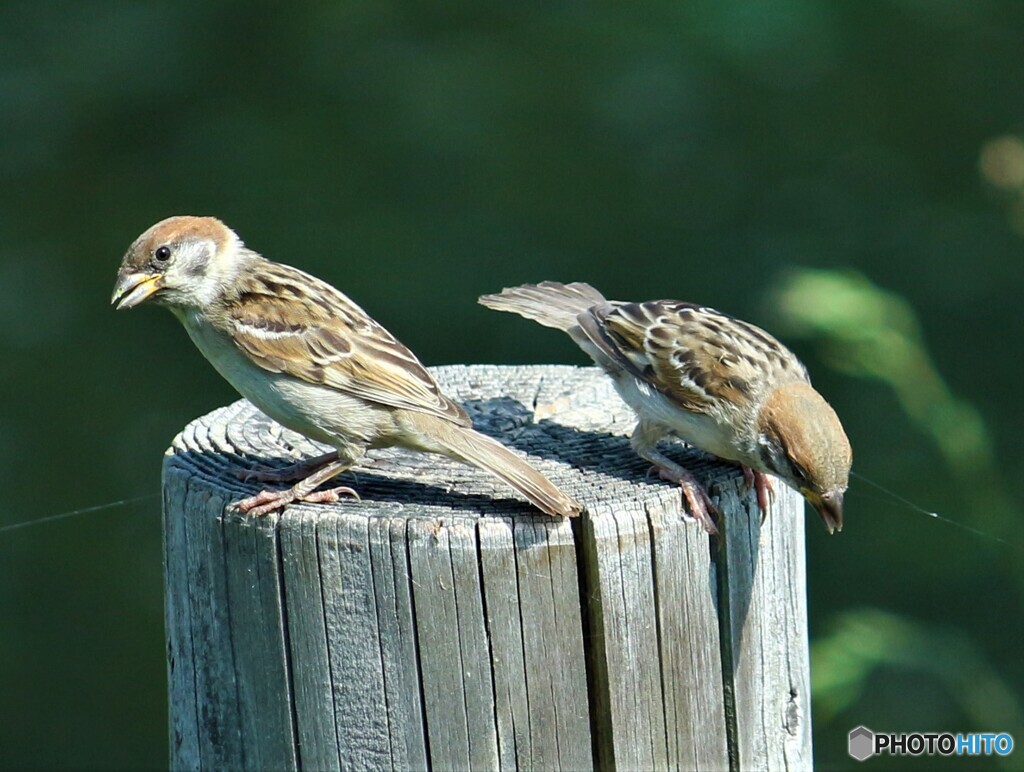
(133, 288)
(829, 506)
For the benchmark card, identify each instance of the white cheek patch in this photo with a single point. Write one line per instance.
(217, 268)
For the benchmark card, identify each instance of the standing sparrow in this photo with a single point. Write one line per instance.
(716, 382)
(309, 358)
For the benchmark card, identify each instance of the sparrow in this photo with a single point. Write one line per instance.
(311, 359)
(714, 381)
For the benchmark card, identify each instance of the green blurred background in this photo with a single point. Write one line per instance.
(849, 174)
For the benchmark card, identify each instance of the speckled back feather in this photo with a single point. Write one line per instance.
(692, 354)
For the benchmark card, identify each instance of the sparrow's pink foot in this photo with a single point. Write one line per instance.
(297, 471)
(762, 483)
(697, 499)
(265, 502)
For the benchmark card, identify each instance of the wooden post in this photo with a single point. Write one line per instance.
(441, 622)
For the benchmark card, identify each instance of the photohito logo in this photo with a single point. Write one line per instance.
(863, 743)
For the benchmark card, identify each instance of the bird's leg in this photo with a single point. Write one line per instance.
(700, 504)
(644, 441)
(762, 483)
(297, 471)
(267, 501)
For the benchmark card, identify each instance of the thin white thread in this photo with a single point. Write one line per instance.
(76, 512)
(936, 515)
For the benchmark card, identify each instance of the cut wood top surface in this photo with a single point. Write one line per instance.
(568, 421)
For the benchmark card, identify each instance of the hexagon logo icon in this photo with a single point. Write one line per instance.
(862, 743)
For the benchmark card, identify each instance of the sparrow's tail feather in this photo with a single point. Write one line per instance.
(550, 303)
(478, 450)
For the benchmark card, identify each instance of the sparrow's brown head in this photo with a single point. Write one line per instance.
(179, 262)
(802, 441)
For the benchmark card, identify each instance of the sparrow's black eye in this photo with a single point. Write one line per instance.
(799, 473)
(162, 254)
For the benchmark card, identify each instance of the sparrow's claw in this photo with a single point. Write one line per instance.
(762, 483)
(330, 495)
(697, 499)
(749, 478)
(267, 501)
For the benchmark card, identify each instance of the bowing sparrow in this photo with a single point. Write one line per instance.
(716, 382)
(309, 358)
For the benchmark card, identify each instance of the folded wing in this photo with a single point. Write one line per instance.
(323, 337)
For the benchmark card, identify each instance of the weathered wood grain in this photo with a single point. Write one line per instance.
(308, 640)
(765, 633)
(395, 616)
(442, 622)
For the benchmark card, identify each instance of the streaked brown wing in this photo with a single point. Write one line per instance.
(696, 355)
(289, 322)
